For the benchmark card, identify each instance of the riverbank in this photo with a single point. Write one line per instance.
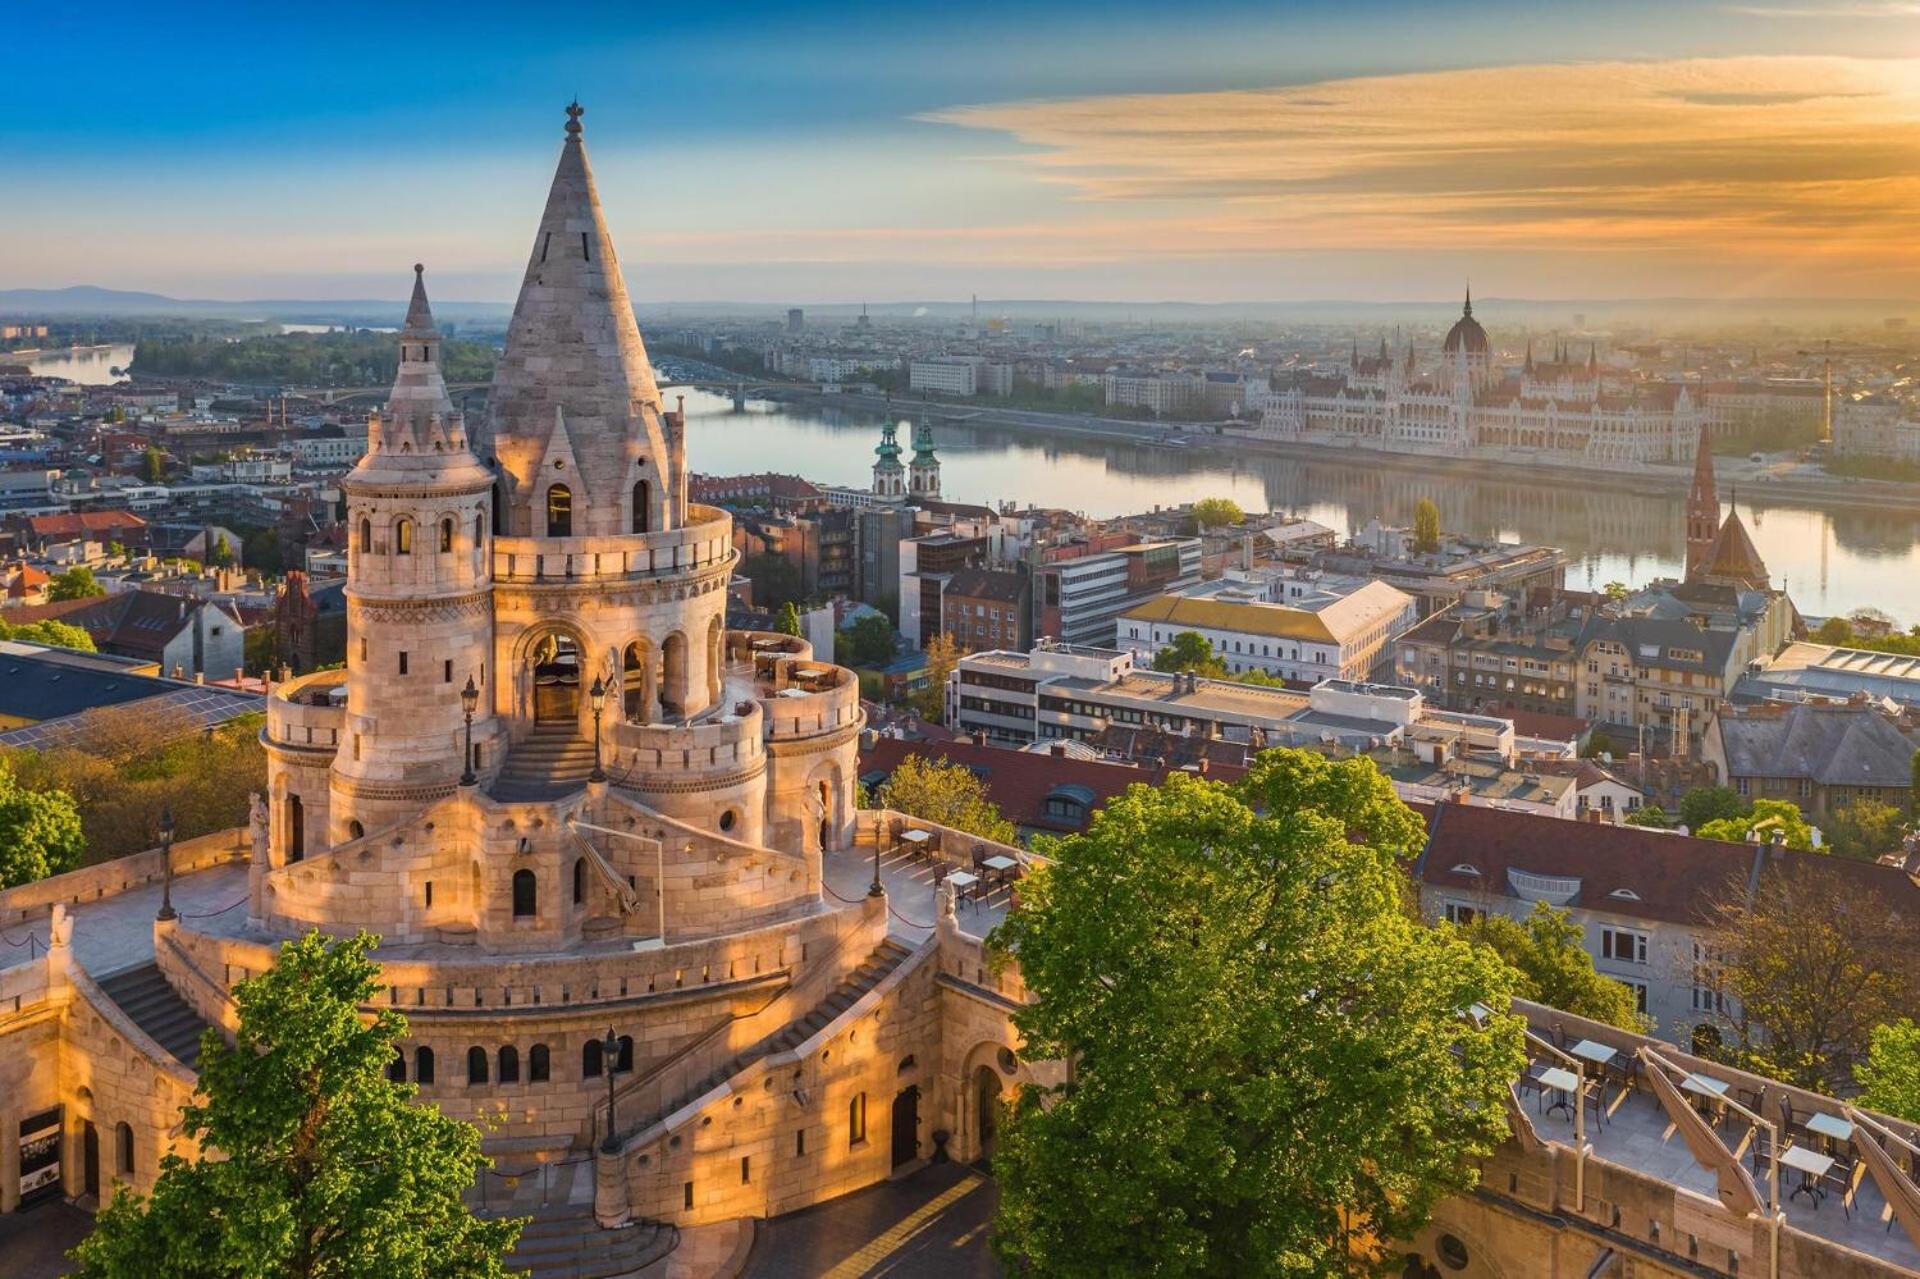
(1764, 483)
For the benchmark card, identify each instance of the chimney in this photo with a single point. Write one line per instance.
(1058, 750)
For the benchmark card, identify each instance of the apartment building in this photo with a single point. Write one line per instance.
(1076, 600)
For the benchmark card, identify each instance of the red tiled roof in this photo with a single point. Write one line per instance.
(83, 523)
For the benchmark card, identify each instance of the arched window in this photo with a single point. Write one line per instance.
(857, 1119)
(579, 880)
(296, 829)
(476, 1066)
(590, 1059)
(509, 1065)
(123, 1145)
(397, 1068)
(625, 1062)
(493, 508)
(446, 534)
(403, 537)
(538, 1064)
(423, 1065)
(479, 532)
(559, 511)
(366, 535)
(642, 492)
(526, 894)
(355, 830)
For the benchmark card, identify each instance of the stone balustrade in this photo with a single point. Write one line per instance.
(704, 541)
(307, 713)
(810, 698)
(687, 753)
(123, 874)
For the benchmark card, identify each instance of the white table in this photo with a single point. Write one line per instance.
(962, 880)
(1560, 1079)
(1706, 1086)
(1000, 862)
(1831, 1126)
(1811, 1165)
(1597, 1053)
(916, 837)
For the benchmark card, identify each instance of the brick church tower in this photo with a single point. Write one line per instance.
(1703, 508)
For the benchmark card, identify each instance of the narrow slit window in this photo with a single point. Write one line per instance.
(584, 253)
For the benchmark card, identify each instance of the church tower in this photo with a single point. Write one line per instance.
(582, 444)
(418, 607)
(1703, 507)
(923, 480)
(889, 476)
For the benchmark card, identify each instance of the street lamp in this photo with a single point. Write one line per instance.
(598, 695)
(610, 1054)
(469, 703)
(166, 864)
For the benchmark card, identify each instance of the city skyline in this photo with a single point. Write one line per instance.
(1102, 154)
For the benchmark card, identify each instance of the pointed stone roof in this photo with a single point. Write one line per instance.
(574, 353)
(1734, 559)
(420, 438)
(419, 315)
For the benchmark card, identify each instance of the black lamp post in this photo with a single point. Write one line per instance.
(874, 889)
(598, 695)
(610, 1054)
(469, 703)
(166, 864)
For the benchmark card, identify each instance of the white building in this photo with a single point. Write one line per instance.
(1296, 627)
(1159, 391)
(961, 375)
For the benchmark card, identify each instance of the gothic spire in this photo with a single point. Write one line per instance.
(1466, 312)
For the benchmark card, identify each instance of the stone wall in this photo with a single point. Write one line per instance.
(122, 874)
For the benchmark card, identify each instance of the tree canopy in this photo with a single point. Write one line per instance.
(929, 701)
(51, 633)
(1705, 804)
(1769, 817)
(1217, 512)
(868, 642)
(936, 790)
(75, 584)
(1189, 651)
(1271, 1068)
(1649, 815)
(1554, 968)
(40, 833)
(1890, 1076)
(1864, 829)
(1426, 525)
(788, 620)
(324, 1166)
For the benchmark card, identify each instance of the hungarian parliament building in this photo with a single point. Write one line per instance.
(1560, 411)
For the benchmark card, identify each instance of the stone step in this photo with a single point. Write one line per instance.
(568, 1242)
(143, 994)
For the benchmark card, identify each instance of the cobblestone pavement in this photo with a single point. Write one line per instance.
(930, 1225)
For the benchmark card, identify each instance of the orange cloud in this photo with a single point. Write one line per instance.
(1779, 166)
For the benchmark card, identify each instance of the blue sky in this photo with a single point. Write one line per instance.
(893, 151)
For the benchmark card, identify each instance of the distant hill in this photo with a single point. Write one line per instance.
(90, 299)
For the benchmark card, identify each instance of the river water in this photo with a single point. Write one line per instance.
(90, 366)
(1830, 561)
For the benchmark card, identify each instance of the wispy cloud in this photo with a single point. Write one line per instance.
(1845, 9)
(1771, 165)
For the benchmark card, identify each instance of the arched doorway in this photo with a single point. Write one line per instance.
(637, 683)
(642, 506)
(986, 1111)
(906, 1125)
(673, 675)
(89, 1158)
(554, 660)
(826, 815)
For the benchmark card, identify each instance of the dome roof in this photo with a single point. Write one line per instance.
(1466, 334)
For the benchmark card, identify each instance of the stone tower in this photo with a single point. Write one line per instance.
(1703, 507)
(889, 476)
(579, 437)
(923, 480)
(418, 608)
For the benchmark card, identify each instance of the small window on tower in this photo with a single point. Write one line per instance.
(446, 671)
(584, 253)
(446, 534)
(403, 663)
(403, 537)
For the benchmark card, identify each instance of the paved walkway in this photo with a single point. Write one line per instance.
(930, 1225)
(117, 932)
(34, 1243)
(908, 879)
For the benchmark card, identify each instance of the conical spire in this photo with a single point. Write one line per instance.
(1466, 311)
(574, 354)
(419, 411)
(419, 314)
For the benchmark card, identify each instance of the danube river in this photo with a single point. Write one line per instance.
(1831, 562)
(87, 365)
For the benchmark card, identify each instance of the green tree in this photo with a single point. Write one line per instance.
(935, 790)
(1426, 525)
(869, 641)
(40, 832)
(1864, 829)
(1615, 591)
(51, 633)
(1554, 967)
(930, 700)
(1598, 744)
(1890, 1076)
(788, 622)
(1705, 804)
(222, 554)
(1217, 512)
(1769, 816)
(324, 1166)
(775, 579)
(1650, 815)
(1836, 631)
(75, 584)
(1189, 651)
(153, 465)
(1270, 1063)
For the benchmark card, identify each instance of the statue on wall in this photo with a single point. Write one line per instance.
(257, 825)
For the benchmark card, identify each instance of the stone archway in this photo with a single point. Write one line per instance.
(985, 1090)
(639, 682)
(553, 661)
(716, 659)
(674, 689)
(989, 1077)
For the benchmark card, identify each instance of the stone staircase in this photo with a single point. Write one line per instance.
(155, 1007)
(890, 955)
(565, 1242)
(552, 761)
